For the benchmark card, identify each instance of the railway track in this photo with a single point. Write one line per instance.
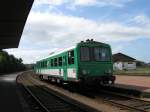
(51, 102)
(126, 102)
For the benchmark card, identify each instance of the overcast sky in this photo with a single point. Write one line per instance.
(57, 24)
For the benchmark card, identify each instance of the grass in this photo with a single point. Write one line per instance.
(137, 71)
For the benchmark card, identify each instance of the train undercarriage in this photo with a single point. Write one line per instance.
(97, 80)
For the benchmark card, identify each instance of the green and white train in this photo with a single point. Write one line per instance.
(88, 62)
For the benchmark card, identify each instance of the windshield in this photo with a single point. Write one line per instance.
(85, 54)
(94, 54)
(101, 54)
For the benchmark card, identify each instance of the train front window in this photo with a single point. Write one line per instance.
(101, 54)
(84, 54)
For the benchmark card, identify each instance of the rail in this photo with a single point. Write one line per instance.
(126, 101)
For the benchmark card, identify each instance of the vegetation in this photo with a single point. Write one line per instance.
(138, 71)
(8, 63)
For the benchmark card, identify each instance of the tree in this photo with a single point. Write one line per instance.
(8, 63)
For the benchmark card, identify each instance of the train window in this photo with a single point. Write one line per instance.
(44, 64)
(48, 63)
(84, 54)
(52, 62)
(41, 64)
(64, 61)
(71, 57)
(60, 61)
(55, 62)
(101, 54)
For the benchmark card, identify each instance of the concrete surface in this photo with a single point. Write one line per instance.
(9, 100)
(140, 83)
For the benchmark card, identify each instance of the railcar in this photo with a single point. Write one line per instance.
(87, 62)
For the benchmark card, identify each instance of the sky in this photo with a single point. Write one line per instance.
(57, 24)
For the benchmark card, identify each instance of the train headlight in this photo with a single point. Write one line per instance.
(109, 71)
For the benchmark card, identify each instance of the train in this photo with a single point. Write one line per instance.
(88, 62)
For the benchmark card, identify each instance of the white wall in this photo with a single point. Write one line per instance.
(117, 66)
(124, 65)
(129, 65)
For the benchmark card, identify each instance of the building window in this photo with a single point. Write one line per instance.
(130, 62)
(71, 57)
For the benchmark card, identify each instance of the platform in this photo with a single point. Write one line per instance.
(136, 85)
(9, 95)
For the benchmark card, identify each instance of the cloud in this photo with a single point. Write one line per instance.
(51, 28)
(142, 20)
(101, 3)
(30, 55)
(118, 48)
(50, 2)
(116, 3)
(55, 31)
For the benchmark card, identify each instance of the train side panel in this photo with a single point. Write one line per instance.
(51, 67)
(72, 65)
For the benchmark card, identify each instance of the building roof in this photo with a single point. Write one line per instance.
(122, 57)
(13, 15)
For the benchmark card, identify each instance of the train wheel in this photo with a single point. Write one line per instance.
(58, 81)
(41, 77)
(112, 82)
(105, 82)
(49, 79)
(74, 86)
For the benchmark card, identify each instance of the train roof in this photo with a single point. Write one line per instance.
(58, 52)
(93, 42)
(70, 48)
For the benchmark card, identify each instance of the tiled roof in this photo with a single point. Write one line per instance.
(122, 57)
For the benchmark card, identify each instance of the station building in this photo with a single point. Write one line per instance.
(123, 62)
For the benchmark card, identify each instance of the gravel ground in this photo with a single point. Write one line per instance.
(138, 82)
(96, 103)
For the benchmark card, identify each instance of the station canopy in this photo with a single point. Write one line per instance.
(13, 16)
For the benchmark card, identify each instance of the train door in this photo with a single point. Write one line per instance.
(65, 67)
